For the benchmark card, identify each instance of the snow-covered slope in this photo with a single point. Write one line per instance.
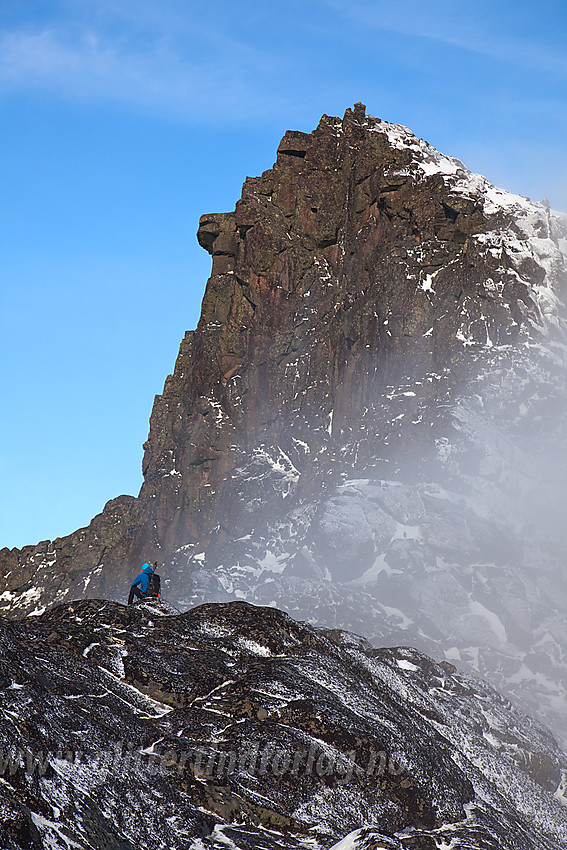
(237, 726)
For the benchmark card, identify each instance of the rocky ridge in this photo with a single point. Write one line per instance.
(367, 426)
(236, 725)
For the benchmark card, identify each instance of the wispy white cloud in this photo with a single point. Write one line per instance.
(209, 62)
(169, 63)
(496, 30)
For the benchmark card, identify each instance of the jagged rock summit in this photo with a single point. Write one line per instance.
(359, 428)
(233, 725)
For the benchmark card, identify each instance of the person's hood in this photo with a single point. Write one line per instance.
(147, 569)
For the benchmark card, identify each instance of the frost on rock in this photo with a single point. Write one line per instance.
(237, 725)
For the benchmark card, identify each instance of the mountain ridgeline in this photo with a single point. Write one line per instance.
(367, 427)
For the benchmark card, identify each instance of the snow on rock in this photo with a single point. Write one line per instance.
(263, 732)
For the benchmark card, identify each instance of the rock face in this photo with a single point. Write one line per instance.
(367, 427)
(236, 725)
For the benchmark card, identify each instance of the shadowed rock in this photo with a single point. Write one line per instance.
(122, 728)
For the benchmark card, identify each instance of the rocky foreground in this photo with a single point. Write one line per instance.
(233, 725)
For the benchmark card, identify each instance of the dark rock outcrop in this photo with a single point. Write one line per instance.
(232, 724)
(350, 268)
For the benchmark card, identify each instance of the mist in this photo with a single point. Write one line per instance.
(450, 537)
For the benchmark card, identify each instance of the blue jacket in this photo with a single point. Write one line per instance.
(144, 578)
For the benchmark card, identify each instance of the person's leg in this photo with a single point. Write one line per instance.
(135, 592)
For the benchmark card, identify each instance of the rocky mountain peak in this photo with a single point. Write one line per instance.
(361, 260)
(366, 426)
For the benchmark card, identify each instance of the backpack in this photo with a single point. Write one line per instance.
(154, 586)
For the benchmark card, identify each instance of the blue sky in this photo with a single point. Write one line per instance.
(125, 120)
